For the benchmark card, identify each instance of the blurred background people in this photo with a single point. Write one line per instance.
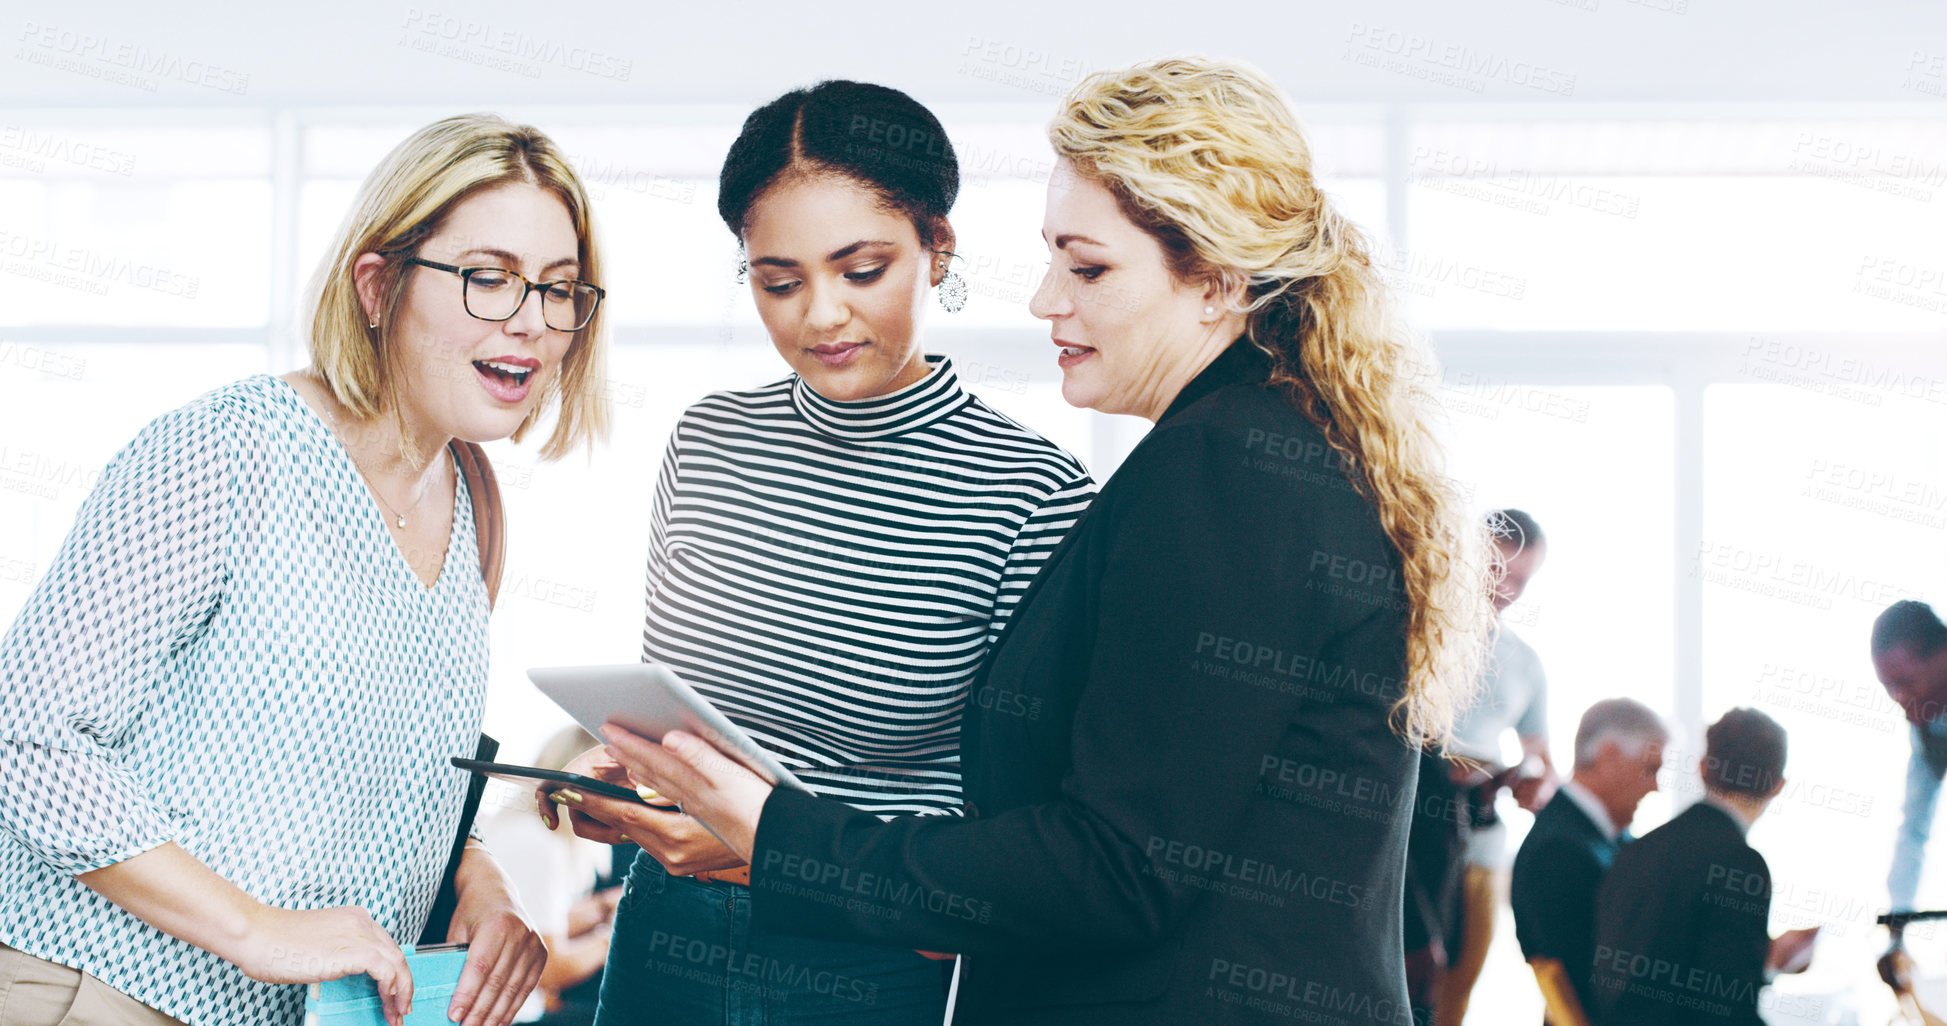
(1682, 935)
(1909, 650)
(1618, 753)
(1457, 904)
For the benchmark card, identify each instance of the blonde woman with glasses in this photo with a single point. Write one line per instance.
(226, 711)
(1194, 806)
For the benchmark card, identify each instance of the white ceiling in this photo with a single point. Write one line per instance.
(367, 52)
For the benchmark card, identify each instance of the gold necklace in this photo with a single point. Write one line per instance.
(399, 517)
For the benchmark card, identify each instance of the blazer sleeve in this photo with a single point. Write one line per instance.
(1162, 757)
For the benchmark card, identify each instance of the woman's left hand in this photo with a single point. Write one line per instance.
(718, 792)
(504, 955)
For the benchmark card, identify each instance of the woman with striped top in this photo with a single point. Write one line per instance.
(831, 556)
(226, 711)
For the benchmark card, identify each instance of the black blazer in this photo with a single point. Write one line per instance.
(1185, 802)
(1681, 934)
(1556, 873)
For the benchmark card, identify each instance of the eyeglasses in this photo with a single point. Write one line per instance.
(496, 294)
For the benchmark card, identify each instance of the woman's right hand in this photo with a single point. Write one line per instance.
(678, 842)
(286, 946)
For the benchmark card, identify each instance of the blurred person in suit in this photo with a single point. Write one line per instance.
(1681, 934)
(1618, 753)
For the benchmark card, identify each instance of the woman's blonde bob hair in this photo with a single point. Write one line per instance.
(402, 203)
(1207, 158)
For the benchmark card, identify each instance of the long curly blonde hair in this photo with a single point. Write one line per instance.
(1207, 157)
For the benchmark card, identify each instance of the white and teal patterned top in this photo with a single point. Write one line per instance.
(229, 652)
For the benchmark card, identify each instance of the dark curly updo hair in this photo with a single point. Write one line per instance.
(871, 134)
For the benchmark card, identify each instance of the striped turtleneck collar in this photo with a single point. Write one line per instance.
(932, 398)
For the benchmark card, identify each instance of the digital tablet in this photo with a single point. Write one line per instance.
(527, 776)
(651, 700)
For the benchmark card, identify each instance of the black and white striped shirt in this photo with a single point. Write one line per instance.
(831, 574)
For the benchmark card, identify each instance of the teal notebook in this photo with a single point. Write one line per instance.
(355, 1001)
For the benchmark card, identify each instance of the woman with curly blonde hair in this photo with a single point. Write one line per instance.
(1190, 759)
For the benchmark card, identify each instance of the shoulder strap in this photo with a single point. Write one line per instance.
(489, 521)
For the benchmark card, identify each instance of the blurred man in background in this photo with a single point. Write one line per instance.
(1618, 753)
(1514, 695)
(1682, 936)
(1909, 648)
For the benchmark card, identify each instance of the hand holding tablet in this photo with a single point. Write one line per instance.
(649, 699)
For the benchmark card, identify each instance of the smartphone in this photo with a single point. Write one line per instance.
(530, 775)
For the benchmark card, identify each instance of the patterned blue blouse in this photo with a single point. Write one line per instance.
(229, 652)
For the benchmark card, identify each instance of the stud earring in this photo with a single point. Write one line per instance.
(1208, 310)
(374, 325)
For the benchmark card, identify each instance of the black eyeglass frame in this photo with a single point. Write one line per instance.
(466, 282)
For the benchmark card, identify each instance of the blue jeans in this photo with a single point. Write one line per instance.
(684, 953)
